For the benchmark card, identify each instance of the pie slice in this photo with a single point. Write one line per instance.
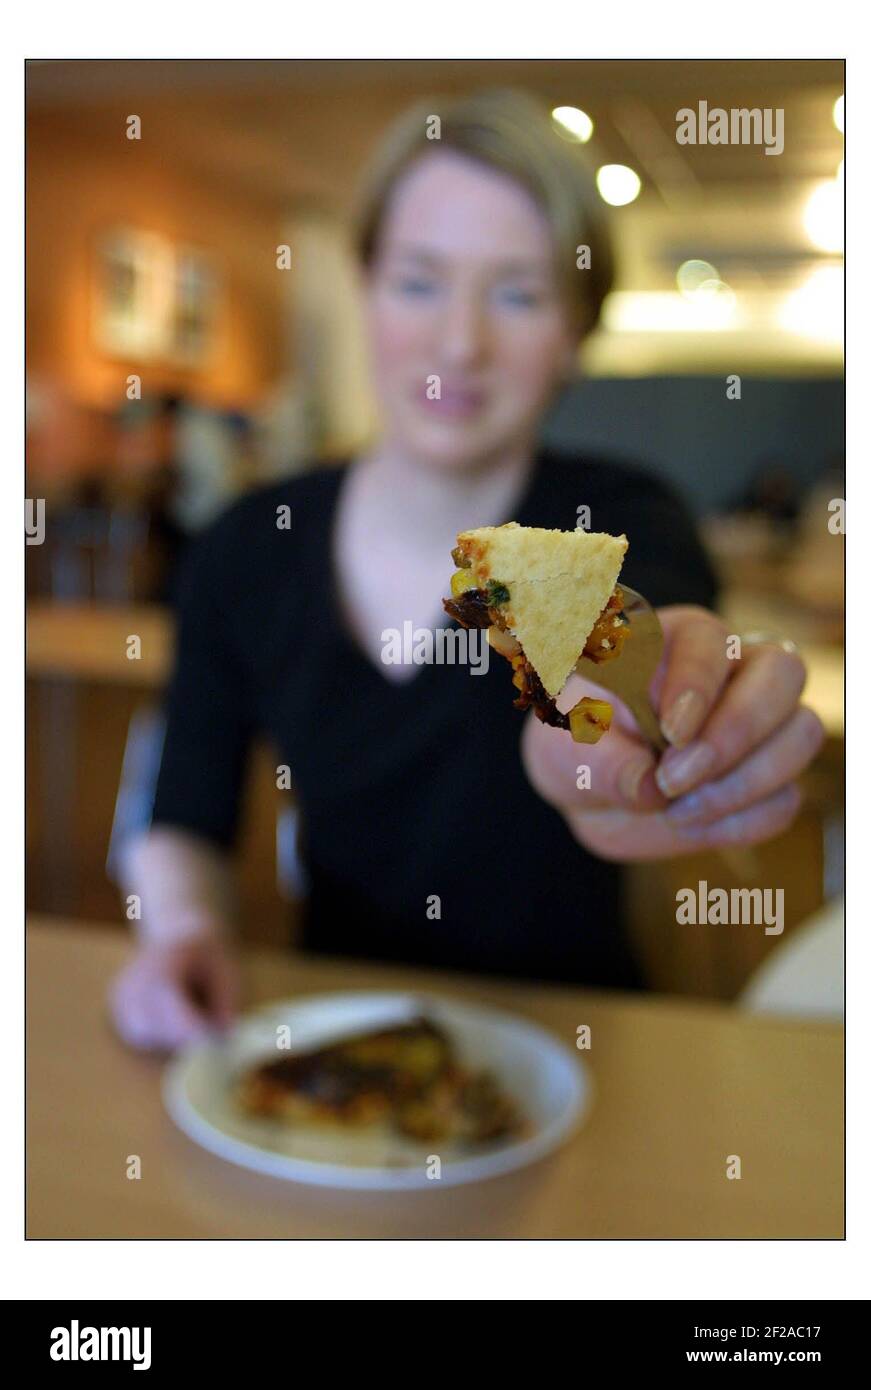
(547, 598)
(407, 1077)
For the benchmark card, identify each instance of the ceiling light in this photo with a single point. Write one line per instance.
(816, 308)
(618, 184)
(654, 311)
(573, 122)
(823, 216)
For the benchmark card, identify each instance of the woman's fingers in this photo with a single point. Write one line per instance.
(617, 771)
(155, 1015)
(759, 698)
(623, 835)
(167, 998)
(178, 1019)
(738, 742)
(779, 760)
(136, 1013)
(694, 670)
(761, 821)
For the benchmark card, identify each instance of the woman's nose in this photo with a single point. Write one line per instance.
(464, 330)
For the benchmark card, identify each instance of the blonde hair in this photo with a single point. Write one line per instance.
(509, 131)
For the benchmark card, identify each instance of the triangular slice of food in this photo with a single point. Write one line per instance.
(548, 597)
(407, 1077)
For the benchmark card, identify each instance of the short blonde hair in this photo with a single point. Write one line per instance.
(509, 131)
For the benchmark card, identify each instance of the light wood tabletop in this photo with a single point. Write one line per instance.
(678, 1087)
(91, 642)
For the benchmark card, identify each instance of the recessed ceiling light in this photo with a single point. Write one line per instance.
(824, 216)
(816, 308)
(655, 311)
(838, 114)
(618, 184)
(574, 122)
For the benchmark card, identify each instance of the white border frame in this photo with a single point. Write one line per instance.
(738, 1270)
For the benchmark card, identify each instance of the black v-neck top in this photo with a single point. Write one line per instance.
(423, 840)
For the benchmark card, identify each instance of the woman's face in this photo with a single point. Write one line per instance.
(463, 288)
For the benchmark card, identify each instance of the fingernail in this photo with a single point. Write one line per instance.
(684, 718)
(683, 771)
(687, 809)
(630, 777)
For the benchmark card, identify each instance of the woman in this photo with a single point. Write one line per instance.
(441, 826)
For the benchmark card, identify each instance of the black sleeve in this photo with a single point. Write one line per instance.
(209, 725)
(666, 561)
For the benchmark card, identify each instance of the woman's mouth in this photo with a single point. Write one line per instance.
(453, 403)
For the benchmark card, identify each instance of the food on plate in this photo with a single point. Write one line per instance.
(407, 1076)
(546, 598)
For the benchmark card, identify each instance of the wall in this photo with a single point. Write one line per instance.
(709, 447)
(325, 309)
(83, 178)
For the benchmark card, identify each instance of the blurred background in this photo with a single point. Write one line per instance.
(156, 258)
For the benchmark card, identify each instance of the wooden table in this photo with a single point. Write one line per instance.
(89, 642)
(678, 1087)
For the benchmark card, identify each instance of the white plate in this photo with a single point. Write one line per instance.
(543, 1076)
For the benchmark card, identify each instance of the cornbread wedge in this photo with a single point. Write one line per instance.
(547, 598)
(407, 1077)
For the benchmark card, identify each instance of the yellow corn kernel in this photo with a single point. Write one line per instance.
(461, 580)
(589, 720)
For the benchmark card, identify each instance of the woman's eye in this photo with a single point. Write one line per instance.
(519, 299)
(413, 286)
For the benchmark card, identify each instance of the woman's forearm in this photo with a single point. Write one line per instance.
(177, 886)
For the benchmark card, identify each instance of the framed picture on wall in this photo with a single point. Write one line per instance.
(193, 302)
(153, 300)
(133, 292)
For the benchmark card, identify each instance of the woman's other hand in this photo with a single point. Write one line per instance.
(739, 739)
(171, 994)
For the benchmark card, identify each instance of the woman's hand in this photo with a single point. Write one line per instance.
(175, 993)
(739, 740)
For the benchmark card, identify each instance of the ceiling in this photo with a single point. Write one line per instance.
(296, 132)
(262, 109)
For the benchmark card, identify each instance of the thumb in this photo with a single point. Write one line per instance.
(616, 771)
